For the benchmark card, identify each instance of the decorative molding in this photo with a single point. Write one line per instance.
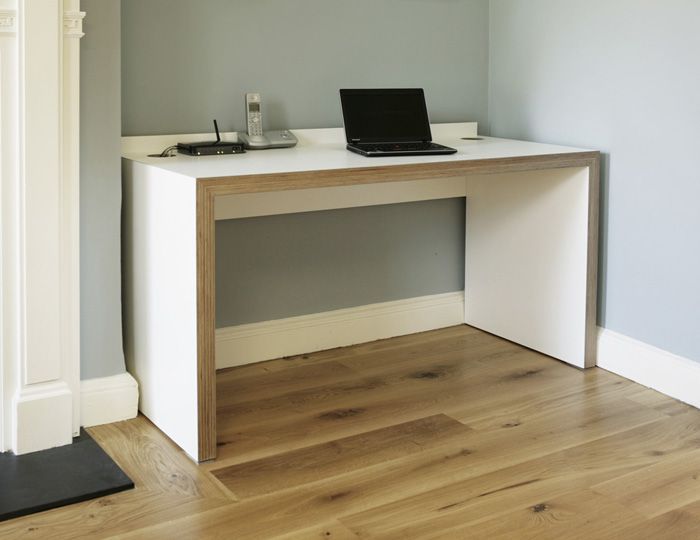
(42, 387)
(73, 24)
(8, 21)
(70, 194)
(249, 343)
(670, 374)
(108, 399)
(43, 417)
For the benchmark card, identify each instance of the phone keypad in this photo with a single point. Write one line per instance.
(255, 126)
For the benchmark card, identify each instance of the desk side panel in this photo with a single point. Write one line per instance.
(527, 259)
(160, 297)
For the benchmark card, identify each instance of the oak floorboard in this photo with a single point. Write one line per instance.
(447, 383)
(529, 482)
(581, 515)
(138, 442)
(168, 485)
(340, 456)
(462, 457)
(447, 434)
(657, 400)
(231, 389)
(408, 342)
(327, 531)
(682, 523)
(659, 488)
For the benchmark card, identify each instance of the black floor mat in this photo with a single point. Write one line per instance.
(57, 477)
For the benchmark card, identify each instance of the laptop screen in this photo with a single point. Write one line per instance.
(385, 115)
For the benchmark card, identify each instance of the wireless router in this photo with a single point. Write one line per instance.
(211, 148)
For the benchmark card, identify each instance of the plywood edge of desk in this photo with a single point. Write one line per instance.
(591, 352)
(282, 181)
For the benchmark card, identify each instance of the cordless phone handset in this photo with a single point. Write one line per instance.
(254, 115)
(254, 138)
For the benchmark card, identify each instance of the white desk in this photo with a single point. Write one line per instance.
(531, 246)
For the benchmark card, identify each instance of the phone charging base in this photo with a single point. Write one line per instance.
(270, 139)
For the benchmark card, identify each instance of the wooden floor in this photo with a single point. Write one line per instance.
(447, 434)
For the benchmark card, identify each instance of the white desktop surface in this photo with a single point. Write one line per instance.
(324, 149)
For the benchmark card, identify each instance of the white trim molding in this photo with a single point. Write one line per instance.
(41, 414)
(108, 399)
(668, 373)
(8, 21)
(39, 288)
(255, 342)
(73, 24)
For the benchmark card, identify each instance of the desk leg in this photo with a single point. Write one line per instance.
(531, 258)
(160, 299)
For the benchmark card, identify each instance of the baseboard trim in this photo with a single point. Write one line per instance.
(670, 374)
(108, 399)
(249, 343)
(43, 417)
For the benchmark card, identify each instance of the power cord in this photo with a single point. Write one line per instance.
(166, 152)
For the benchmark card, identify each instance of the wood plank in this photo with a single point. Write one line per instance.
(681, 523)
(328, 531)
(341, 353)
(231, 388)
(168, 486)
(676, 525)
(577, 516)
(153, 461)
(254, 430)
(322, 461)
(659, 488)
(529, 482)
(475, 347)
(659, 401)
(419, 388)
(107, 516)
(460, 458)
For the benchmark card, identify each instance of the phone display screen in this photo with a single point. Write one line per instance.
(254, 107)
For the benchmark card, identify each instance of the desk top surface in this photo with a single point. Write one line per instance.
(324, 149)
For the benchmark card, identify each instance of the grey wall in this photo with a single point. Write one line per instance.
(100, 191)
(618, 76)
(373, 254)
(622, 77)
(186, 62)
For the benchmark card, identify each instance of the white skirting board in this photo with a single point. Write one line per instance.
(43, 417)
(673, 375)
(108, 399)
(249, 343)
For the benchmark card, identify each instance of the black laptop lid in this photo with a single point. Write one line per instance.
(385, 115)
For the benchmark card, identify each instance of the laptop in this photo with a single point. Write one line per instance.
(388, 122)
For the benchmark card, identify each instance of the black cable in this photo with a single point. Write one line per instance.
(165, 153)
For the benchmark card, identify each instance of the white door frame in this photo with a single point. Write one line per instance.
(39, 213)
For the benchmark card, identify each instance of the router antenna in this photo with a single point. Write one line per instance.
(216, 127)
